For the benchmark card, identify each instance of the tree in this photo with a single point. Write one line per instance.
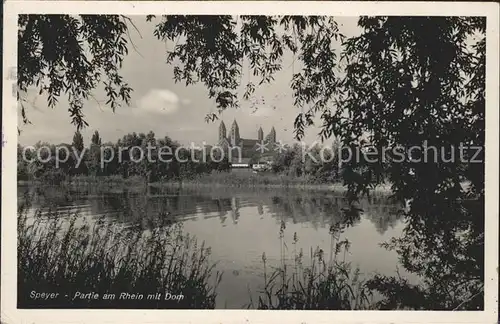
(94, 161)
(78, 147)
(96, 139)
(78, 141)
(22, 163)
(53, 61)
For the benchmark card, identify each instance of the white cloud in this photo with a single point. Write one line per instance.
(160, 101)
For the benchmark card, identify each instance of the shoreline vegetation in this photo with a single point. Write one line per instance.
(56, 254)
(216, 180)
(59, 254)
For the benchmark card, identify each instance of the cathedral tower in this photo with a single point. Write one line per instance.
(260, 134)
(235, 134)
(222, 131)
(272, 136)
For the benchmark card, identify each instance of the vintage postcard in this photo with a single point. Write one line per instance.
(298, 162)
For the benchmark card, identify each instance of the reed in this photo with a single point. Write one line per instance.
(326, 283)
(65, 254)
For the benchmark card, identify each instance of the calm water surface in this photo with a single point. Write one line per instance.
(240, 226)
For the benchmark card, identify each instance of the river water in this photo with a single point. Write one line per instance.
(241, 225)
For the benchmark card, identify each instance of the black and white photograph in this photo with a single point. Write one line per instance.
(251, 161)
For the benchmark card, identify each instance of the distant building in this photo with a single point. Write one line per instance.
(242, 163)
(249, 148)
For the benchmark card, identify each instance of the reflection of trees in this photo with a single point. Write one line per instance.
(235, 209)
(443, 244)
(382, 214)
(319, 209)
(260, 209)
(322, 211)
(319, 212)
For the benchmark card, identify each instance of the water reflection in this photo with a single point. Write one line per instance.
(432, 259)
(240, 226)
(443, 243)
(319, 210)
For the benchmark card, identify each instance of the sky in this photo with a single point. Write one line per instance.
(160, 105)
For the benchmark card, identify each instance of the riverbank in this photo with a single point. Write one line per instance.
(339, 188)
(244, 180)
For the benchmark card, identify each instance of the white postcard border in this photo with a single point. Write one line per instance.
(10, 314)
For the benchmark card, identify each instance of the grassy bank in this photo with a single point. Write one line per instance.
(83, 180)
(57, 254)
(262, 180)
(235, 179)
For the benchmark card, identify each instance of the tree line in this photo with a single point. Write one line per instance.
(54, 163)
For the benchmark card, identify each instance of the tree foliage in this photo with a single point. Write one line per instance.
(63, 55)
(96, 138)
(78, 143)
(403, 82)
(156, 159)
